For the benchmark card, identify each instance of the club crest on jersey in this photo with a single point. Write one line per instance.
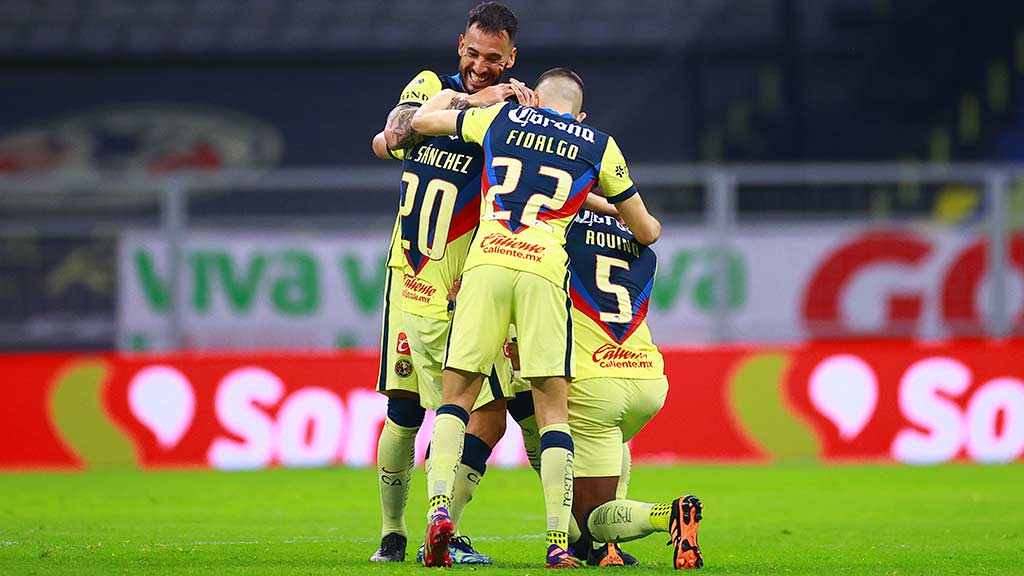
(403, 368)
(523, 115)
(403, 345)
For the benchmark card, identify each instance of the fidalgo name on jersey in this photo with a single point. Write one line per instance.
(442, 159)
(542, 143)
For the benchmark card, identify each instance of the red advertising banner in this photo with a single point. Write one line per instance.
(850, 401)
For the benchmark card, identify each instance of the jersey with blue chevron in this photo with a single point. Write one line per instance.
(440, 192)
(611, 274)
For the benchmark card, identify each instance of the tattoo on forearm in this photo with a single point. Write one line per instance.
(400, 130)
(459, 103)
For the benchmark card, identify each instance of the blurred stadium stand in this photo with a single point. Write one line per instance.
(113, 88)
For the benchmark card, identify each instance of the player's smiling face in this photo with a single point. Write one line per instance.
(483, 58)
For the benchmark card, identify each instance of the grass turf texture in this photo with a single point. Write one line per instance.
(954, 519)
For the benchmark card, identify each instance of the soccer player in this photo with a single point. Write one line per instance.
(438, 214)
(541, 162)
(620, 385)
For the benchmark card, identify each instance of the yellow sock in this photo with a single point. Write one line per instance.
(660, 514)
(531, 441)
(556, 475)
(445, 452)
(395, 452)
(466, 482)
(623, 520)
(622, 488)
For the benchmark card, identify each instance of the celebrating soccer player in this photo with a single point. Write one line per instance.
(440, 209)
(541, 164)
(620, 385)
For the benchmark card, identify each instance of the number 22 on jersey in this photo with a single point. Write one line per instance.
(535, 203)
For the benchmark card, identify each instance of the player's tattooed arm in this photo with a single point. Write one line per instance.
(460, 103)
(398, 132)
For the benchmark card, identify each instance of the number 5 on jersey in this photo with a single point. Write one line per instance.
(603, 271)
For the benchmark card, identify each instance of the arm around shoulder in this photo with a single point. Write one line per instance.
(645, 227)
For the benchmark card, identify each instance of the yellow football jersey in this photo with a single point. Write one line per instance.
(612, 276)
(539, 166)
(439, 208)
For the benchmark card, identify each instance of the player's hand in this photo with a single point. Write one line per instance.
(491, 95)
(524, 94)
(454, 290)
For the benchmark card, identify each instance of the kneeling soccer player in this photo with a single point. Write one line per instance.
(620, 385)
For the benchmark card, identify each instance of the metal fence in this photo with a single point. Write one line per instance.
(718, 200)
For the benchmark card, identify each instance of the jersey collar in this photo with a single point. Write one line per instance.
(457, 77)
(566, 115)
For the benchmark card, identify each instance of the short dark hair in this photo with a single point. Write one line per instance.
(561, 73)
(494, 18)
(568, 85)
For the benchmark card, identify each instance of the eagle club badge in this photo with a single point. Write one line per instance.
(403, 368)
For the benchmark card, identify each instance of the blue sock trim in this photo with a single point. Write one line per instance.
(555, 439)
(455, 410)
(475, 453)
(406, 412)
(521, 407)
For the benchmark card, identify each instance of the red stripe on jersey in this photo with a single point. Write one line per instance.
(581, 304)
(571, 207)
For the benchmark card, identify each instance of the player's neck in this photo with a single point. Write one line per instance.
(558, 106)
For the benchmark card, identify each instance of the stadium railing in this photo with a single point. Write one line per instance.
(71, 207)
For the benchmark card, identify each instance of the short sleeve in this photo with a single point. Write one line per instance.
(420, 89)
(614, 179)
(472, 124)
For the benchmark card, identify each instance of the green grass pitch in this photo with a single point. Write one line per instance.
(891, 520)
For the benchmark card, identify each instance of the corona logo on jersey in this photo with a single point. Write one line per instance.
(498, 243)
(522, 116)
(613, 356)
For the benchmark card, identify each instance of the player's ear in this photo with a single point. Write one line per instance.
(511, 58)
(462, 39)
(581, 116)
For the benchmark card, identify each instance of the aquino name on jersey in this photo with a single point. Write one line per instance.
(611, 279)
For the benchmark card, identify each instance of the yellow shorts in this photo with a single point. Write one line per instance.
(492, 298)
(604, 413)
(396, 363)
(427, 338)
